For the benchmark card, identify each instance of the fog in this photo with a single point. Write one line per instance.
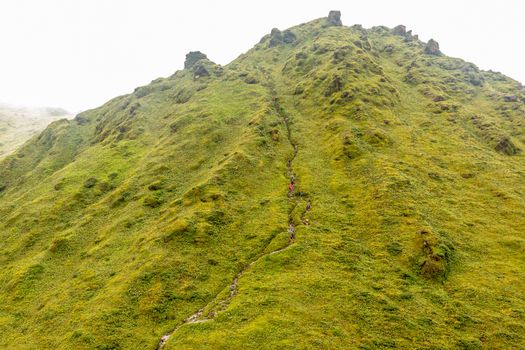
(78, 54)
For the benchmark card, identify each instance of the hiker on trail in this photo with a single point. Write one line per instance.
(308, 205)
(289, 163)
(290, 187)
(292, 179)
(291, 229)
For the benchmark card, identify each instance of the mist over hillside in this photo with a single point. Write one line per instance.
(18, 124)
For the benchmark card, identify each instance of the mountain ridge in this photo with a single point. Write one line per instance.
(119, 224)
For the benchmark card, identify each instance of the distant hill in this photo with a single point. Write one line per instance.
(163, 218)
(17, 125)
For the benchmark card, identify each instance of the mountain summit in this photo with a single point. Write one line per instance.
(333, 187)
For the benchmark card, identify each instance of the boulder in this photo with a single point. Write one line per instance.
(400, 30)
(276, 38)
(192, 58)
(510, 98)
(432, 48)
(334, 18)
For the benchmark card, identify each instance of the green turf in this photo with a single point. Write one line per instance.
(118, 225)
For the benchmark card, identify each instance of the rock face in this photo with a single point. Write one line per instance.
(400, 30)
(432, 48)
(200, 71)
(334, 18)
(277, 37)
(192, 58)
(289, 37)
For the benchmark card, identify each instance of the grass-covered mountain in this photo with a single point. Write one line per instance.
(17, 125)
(162, 214)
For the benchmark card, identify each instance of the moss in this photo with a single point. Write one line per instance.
(189, 187)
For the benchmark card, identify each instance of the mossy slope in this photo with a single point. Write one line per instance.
(119, 224)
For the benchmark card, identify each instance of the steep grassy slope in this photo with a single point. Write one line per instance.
(121, 224)
(17, 125)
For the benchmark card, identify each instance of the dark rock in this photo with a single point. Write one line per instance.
(505, 146)
(409, 37)
(432, 48)
(278, 38)
(510, 98)
(200, 71)
(298, 90)
(400, 30)
(334, 18)
(289, 37)
(251, 80)
(81, 120)
(192, 58)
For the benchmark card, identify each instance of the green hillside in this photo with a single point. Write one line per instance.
(159, 220)
(17, 125)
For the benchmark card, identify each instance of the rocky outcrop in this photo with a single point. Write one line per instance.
(200, 71)
(432, 48)
(289, 37)
(278, 38)
(334, 18)
(400, 30)
(410, 37)
(192, 58)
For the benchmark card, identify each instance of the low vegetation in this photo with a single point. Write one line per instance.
(119, 224)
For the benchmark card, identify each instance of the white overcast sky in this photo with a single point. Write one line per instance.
(77, 54)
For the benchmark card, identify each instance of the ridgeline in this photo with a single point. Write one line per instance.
(162, 219)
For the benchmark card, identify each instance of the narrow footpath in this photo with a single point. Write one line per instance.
(217, 304)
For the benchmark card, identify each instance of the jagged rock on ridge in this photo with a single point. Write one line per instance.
(432, 48)
(277, 37)
(400, 30)
(334, 18)
(192, 58)
(288, 37)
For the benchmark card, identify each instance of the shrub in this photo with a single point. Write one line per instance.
(91, 182)
(152, 200)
